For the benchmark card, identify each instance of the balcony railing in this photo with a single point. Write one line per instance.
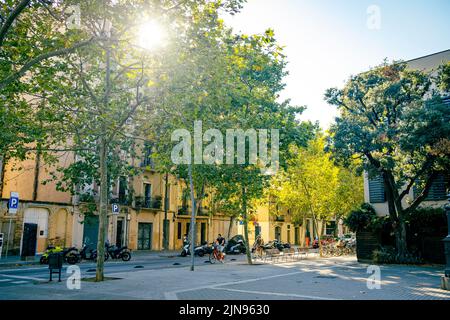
(186, 210)
(148, 202)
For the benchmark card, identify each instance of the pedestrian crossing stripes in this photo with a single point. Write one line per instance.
(10, 280)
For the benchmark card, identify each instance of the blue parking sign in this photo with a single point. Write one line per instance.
(13, 203)
(115, 209)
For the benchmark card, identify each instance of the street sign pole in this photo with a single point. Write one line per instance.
(9, 235)
(13, 205)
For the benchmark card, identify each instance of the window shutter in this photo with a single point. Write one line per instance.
(376, 190)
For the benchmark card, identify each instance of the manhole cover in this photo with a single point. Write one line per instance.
(138, 267)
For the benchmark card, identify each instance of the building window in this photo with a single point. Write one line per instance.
(179, 231)
(122, 189)
(376, 190)
(147, 195)
(438, 189)
(147, 161)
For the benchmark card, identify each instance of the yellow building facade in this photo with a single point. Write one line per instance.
(57, 218)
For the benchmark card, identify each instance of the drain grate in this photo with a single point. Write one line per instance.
(91, 270)
(138, 267)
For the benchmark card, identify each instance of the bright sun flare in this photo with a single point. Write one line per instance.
(151, 35)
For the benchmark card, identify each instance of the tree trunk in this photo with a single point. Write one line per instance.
(191, 186)
(318, 233)
(37, 167)
(244, 217)
(103, 212)
(230, 227)
(166, 208)
(103, 203)
(2, 173)
(395, 214)
(400, 239)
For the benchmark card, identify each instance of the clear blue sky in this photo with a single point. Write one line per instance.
(329, 40)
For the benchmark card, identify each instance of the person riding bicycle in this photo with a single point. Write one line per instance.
(185, 240)
(220, 244)
(259, 242)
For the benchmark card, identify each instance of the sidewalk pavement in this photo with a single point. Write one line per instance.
(16, 261)
(315, 279)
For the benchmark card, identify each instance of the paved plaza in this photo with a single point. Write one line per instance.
(308, 279)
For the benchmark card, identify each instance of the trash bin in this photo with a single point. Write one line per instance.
(55, 263)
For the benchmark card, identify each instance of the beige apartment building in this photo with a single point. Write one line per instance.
(46, 216)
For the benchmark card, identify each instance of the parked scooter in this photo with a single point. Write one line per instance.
(238, 248)
(87, 253)
(69, 254)
(198, 251)
(275, 244)
(116, 252)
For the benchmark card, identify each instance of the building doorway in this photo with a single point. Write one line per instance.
(90, 231)
(39, 217)
(119, 233)
(278, 233)
(145, 231)
(29, 239)
(257, 230)
(202, 232)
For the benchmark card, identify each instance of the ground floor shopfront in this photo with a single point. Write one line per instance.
(37, 225)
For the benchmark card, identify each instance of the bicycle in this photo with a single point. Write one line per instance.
(216, 255)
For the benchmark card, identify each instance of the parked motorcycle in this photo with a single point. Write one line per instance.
(275, 244)
(69, 254)
(198, 251)
(115, 252)
(237, 248)
(86, 253)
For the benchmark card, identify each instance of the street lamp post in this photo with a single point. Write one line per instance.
(445, 283)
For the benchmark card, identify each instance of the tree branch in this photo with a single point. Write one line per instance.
(10, 20)
(424, 193)
(40, 58)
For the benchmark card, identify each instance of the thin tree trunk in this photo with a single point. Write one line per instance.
(244, 217)
(2, 173)
(103, 148)
(166, 208)
(230, 227)
(37, 167)
(103, 214)
(193, 211)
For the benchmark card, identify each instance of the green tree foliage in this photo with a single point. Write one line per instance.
(395, 120)
(314, 187)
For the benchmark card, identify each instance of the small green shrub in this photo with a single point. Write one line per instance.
(361, 218)
(388, 255)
